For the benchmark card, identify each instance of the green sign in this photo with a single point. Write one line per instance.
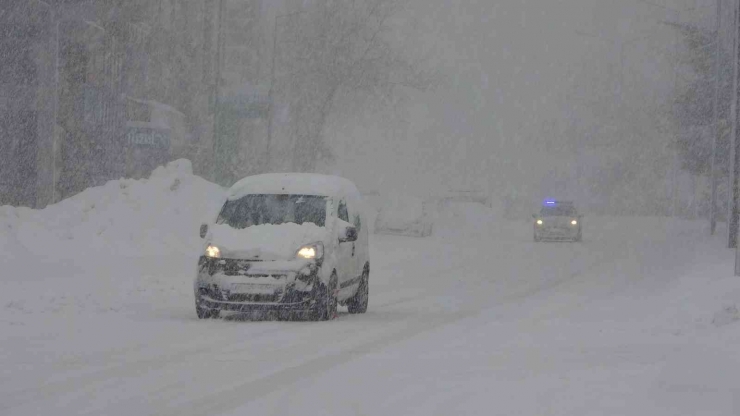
(148, 137)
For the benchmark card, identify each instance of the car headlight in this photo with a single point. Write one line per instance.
(539, 222)
(213, 252)
(574, 222)
(311, 251)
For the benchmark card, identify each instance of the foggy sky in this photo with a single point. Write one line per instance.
(515, 74)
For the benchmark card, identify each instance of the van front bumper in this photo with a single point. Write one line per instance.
(557, 234)
(236, 285)
(301, 305)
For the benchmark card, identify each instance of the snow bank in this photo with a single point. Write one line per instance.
(126, 246)
(127, 217)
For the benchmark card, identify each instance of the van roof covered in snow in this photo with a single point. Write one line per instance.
(294, 184)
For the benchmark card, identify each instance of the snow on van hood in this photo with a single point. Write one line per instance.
(265, 242)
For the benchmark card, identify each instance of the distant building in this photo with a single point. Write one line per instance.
(92, 90)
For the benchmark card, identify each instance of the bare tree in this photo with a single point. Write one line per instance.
(693, 108)
(333, 49)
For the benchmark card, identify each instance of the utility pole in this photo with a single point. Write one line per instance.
(732, 193)
(676, 159)
(217, 165)
(270, 96)
(715, 124)
(735, 172)
(54, 20)
(55, 137)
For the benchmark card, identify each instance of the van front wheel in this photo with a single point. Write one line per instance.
(326, 300)
(358, 303)
(204, 313)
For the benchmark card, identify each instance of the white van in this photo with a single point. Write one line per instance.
(290, 242)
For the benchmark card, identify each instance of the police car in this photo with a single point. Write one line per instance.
(557, 221)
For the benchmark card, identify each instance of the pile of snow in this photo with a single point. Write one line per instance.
(128, 217)
(111, 248)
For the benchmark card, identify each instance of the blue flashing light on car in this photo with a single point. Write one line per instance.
(548, 202)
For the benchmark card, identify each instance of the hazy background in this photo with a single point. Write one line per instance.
(528, 105)
(607, 102)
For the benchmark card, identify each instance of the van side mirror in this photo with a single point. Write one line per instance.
(349, 235)
(203, 230)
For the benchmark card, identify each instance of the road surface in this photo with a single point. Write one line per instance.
(478, 319)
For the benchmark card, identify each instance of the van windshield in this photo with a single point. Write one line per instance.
(559, 211)
(273, 209)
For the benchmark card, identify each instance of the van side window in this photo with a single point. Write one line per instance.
(342, 211)
(358, 223)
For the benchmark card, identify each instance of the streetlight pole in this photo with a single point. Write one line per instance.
(270, 92)
(53, 16)
(732, 200)
(55, 142)
(715, 128)
(676, 160)
(217, 166)
(735, 169)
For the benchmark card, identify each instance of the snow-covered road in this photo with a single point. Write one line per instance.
(477, 320)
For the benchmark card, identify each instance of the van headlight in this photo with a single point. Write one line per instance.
(313, 251)
(574, 222)
(213, 252)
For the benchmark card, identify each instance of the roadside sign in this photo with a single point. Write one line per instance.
(148, 137)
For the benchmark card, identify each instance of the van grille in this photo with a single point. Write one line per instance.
(231, 267)
(215, 293)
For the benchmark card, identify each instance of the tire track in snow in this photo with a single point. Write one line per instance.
(401, 329)
(70, 383)
(159, 398)
(236, 395)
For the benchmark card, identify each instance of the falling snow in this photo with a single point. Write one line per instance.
(125, 124)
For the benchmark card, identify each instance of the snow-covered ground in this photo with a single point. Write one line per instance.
(98, 319)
